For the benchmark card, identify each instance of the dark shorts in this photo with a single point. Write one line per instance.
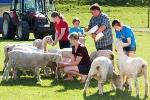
(129, 48)
(109, 47)
(83, 69)
(64, 44)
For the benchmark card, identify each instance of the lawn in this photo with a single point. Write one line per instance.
(26, 88)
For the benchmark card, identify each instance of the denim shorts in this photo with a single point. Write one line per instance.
(129, 48)
(83, 69)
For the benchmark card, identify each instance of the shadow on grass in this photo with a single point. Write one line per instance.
(21, 81)
(71, 85)
(119, 95)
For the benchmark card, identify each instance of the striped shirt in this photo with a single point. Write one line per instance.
(102, 19)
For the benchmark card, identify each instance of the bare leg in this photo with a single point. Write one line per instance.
(131, 53)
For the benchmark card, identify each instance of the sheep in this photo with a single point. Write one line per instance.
(38, 43)
(131, 68)
(51, 66)
(10, 47)
(25, 60)
(102, 70)
(106, 53)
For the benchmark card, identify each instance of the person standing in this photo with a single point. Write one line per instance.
(126, 35)
(62, 30)
(102, 21)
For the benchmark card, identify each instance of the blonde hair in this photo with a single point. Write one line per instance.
(74, 35)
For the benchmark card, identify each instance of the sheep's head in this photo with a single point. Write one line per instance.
(117, 80)
(119, 46)
(48, 39)
(37, 43)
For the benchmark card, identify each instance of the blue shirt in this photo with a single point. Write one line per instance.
(125, 33)
(78, 30)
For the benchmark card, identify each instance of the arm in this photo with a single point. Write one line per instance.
(128, 36)
(61, 35)
(101, 29)
(74, 63)
(103, 25)
(128, 42)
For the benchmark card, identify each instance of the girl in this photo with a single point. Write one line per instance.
(62, 30)
(80, 61)
(125, 33)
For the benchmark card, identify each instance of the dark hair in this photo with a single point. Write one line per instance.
(75, 19)
(74, 35)
(57, 14)
(95, 6)
(116, 22)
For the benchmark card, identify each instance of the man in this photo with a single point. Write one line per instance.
(102, 21)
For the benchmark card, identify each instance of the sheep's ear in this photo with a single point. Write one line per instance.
(97, 68)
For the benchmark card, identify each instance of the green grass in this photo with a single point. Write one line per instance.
(26, 88)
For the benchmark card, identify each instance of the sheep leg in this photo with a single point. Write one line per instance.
(56, 73)
(137, 88)
(4, 74)
(112, 85)
(87, 83)
(37, 70)
(122, 81)
(14, 74)
(130, 84)
(146, 81)
(100, 86)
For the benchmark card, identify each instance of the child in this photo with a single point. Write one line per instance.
(125, 33)
(76, 28)
(62, 30)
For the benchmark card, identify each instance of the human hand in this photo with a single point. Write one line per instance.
(54, 43)
(93, 36)
(86, 29)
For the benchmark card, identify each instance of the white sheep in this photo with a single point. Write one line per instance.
(10, 47)
(51, 66)
(25, 60)
(107, 53)
(102, 70)
(131, 68)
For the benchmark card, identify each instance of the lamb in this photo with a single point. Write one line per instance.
(106, 53)
(33, 61)
(38, 43)
(10, 47)
(51, 66)
(102, 70)
(131, 68)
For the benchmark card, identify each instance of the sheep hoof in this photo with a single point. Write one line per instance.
(100, 93)
(137, 96)
(146, 96)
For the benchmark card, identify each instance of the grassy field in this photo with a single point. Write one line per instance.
(26, 88)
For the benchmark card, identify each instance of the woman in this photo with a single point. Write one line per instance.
(76, 28)
(80, 61)
(62, 30)
(125, 33)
